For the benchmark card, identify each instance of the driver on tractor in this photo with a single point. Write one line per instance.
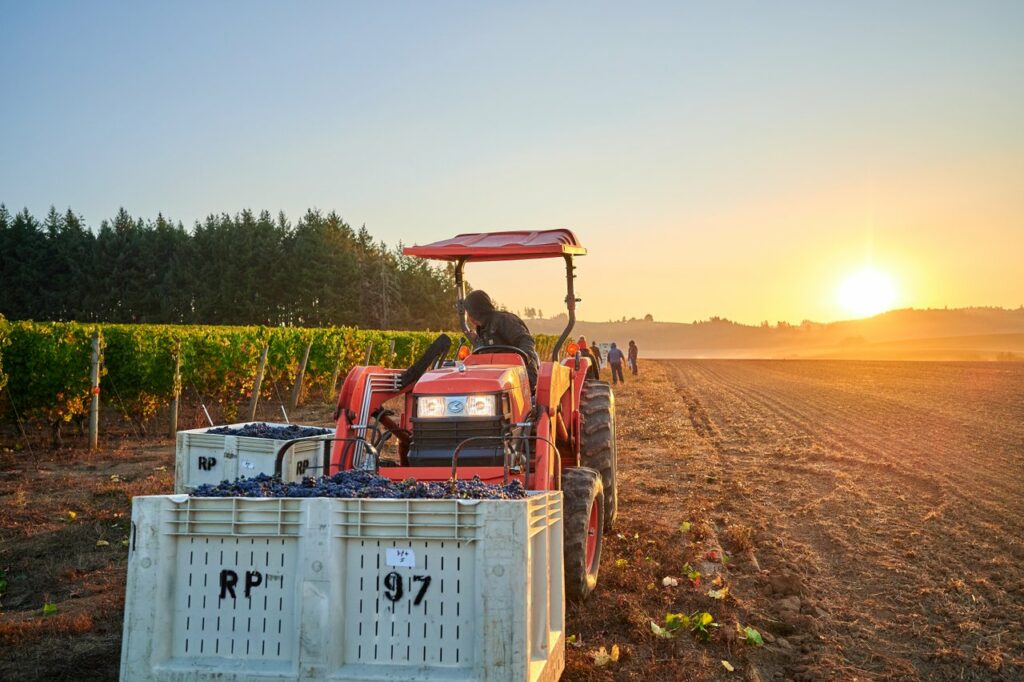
(500, 328)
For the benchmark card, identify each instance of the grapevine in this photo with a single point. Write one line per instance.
(46, 364)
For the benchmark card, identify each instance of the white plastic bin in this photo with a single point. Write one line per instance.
(253, 590)
(202, 457)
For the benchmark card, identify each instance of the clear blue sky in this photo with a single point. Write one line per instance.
(734, 159)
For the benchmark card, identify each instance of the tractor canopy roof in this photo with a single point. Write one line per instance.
(495, 246)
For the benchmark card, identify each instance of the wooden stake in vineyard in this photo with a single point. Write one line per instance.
(257, 383)
(94, 390)
(173, 431)
(334, 381)
(297, 388)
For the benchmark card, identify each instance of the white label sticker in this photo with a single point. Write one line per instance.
(247, 464)
(400, 557)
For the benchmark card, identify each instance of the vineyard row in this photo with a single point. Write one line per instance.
(45, 366)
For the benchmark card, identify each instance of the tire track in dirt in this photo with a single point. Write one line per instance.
(844, 439)
(853, 429)
(903, 597)
(937, 425)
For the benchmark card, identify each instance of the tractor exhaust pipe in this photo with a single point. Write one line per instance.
(460, 296)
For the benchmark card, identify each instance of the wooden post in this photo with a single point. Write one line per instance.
(391, 353)
(257, 383)
(94, 389)
(297, 388)
(369, 352)
(173, 431)
(334, 381)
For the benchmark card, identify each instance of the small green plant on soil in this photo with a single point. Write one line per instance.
(692, 575)
(698, 623)
(750, 635)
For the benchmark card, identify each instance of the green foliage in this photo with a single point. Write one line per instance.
(5, 332)
(47, 365)
(246, 269)
(49, 362)
(139, 360)
(750, 635)
(698, 623)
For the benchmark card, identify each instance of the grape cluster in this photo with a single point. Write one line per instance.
(364, 484)
(264, 430)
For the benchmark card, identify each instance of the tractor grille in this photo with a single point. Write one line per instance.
(434, 441)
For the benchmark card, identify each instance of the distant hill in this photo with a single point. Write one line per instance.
(957, 334)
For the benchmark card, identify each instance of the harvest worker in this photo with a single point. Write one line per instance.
(588, 351)
(595, 348)
(615, 358)
(633, 353)
(500, 328)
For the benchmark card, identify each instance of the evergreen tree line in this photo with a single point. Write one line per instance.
(244, 269)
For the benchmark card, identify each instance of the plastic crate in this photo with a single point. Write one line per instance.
(253, 590)
(202, 457)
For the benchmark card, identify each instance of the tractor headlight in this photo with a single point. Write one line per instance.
(428, 407)
(480, 406)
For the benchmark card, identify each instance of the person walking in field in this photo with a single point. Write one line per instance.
(633, 353)
(596, 350)
(615, 358)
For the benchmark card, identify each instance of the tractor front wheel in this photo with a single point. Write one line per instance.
(583, 530)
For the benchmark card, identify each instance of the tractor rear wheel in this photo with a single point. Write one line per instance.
(597, 444)
(582, 530)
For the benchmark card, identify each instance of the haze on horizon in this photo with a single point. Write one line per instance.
(742, 160)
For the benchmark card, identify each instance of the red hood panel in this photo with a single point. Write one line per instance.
(476, 379)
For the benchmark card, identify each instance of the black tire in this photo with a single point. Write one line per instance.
(581, 490)
(597, 445)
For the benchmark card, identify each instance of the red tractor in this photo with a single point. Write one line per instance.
(475, 414)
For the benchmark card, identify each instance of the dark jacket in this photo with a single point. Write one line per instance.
(506, 329)
(595, 367)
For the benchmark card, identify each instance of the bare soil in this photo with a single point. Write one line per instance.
(873, 511)
(867, 518)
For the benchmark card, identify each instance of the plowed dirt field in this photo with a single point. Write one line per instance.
(874, 512)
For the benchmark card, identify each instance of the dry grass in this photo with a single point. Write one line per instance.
(17, 632)
(740, 537)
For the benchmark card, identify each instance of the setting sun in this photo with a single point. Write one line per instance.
(867, 292)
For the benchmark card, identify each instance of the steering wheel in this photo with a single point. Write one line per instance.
(497, 348)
